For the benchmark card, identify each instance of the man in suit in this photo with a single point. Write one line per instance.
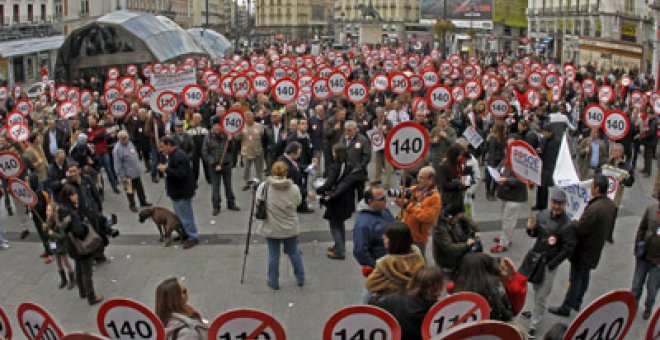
(54, 139)
(294, 172)
(359, 153)
(275, 140)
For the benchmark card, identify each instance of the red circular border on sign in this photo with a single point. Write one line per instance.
(48, 320)
(523, 144)
(380, 313)
(480, 302)
(625, 117)
(18, 159)
(615, 295)
(5, 321)
(295, 85)
(110, 304)
(222, 121)
(366, 90)
(393, 132)
(652, 323)
(174, 95)
(487, 327)
(247, 314)
(508, 107)
(394, 88)
(186, 88)
(584, 115)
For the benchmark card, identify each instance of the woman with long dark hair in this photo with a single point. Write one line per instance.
(479, 273)
(76, 225)
(394, 270)
(181, 321)
(494, 155)
(450, 180)
(338, 196)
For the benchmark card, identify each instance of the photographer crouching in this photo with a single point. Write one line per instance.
(420, 205)
(454, 236)
(91, 207)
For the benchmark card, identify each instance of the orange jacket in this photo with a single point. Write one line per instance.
(421, 214)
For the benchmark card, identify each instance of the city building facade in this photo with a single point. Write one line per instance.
(394, 15)
(607, 33)
(287, 19)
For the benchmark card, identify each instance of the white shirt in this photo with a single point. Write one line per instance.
(397, 117)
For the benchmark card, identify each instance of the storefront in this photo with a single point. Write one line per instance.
(21, 60)
(607, 54)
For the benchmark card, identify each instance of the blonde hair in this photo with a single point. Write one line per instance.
(279, 169)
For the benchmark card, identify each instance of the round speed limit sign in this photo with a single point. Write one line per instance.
(18, 132)
(439, 97)
(407, 145)
(362, 322)
(594, 115)
(285, 91)
(609, 317)
(260, 83)
(193, 95)
(67, 110)
(22, 192)
(167, 101)
(127, 319)
(499, 107)
(36, 323)
(454, 310)
(232, 122)
(616, 125)
(119, 108)
(357, 92)
(380, 82)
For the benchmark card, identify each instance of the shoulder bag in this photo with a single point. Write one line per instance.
(533, 266)
(261, 211)
(89, 244)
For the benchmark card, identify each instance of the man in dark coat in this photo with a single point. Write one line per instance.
(198, 132)
(275, 140)
(180, 185)
(549, 153)
(215, 152)
(315, 131)
(359, 154)
(54, 139)
(295, 173)
(591, 232)
(57, 174)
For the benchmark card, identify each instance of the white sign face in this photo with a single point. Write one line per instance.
(407, 145)
(19, 132)
(499, 107)
(232, 122)
(111, 95)
(439, 97)
(167, 101)
(86, 98)
(381, 82)
(337, 84)
(119, 108)
(594, 115)
(240, 86)
(24, 106)
(225, 85)
(430, 78)
(127, 85)
(127, 319)
(524, 162)
(473, 89)
(616, 125)
(533, 98)
(10, 164)
(246, 324)
(377, 139)
(399, 83)
(144, 93)
(213, 82)
(457, 309)
(173, 82)
(416, 83)
(609, 317)
(362, 322)
(260, 83)
(15, 118)
(285, 91)
(606, 94)
(357, 92)
(589, 86)
(22, 192)
(473, 137)
(193, 95)
(37, 324)
(320, 89)
(535, 79)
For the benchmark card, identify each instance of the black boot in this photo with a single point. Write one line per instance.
(62, 279)
(72, 281)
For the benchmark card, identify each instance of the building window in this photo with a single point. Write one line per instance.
(84, 7)
(17, 13)
(30, 10)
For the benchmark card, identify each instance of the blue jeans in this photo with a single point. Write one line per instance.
(291, 249)
(643, 270)
(104, 159)
(338, 231)
(579, 283)
(183, 208)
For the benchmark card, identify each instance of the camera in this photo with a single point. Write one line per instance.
(109, 222)
(476, 247)
(404, 193)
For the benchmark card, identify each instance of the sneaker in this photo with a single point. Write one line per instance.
(335, 256)
(531, 333)
(4, 246)
(498, 249)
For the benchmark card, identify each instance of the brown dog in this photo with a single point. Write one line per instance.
(166, 222)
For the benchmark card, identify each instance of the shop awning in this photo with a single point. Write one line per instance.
(23, 47)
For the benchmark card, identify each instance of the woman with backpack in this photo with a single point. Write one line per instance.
(181, 321)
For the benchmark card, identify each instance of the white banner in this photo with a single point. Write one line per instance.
(173, 82)
(577, 195)
(564, 169)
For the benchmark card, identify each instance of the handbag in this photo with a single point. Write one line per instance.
(533, 266)
(261, 211)
(89, 244)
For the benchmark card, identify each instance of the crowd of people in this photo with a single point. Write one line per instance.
(68, 160)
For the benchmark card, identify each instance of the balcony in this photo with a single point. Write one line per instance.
(25, 20)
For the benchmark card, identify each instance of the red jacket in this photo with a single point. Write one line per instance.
(96, 135)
